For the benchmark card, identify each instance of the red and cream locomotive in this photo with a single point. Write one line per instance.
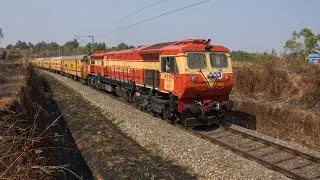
(187, 81)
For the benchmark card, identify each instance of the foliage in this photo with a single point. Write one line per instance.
(1, 34)
(273, 53)
(72, 44)
(96, 46)
(73, 47)
(304, 41)
(10, 46)
(22, 45)
(246, 56)
(293, 46)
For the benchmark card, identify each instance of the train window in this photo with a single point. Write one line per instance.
(197, 60)
(218, 60)
(169, 64)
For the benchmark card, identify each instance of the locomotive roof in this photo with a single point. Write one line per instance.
(153, 51)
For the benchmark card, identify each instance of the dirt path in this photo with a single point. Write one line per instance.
(109, 153)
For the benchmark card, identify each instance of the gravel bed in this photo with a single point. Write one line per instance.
(207, 160)
(279, 141)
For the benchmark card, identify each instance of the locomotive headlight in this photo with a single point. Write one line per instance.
(227, 77)
(194, 78)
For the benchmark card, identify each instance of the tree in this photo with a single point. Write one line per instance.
(122, 46)
(22, 45)
(1, 35)
(273, 52)
(305, 40)
(96, 46)
(72, 44)
(71, 47)
(10, 46)
(31, 46)
(40, 46)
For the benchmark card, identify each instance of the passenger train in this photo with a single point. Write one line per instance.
(186, 81)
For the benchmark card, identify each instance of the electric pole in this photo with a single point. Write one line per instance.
(92, 42)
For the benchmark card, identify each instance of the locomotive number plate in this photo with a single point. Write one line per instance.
(168, 82)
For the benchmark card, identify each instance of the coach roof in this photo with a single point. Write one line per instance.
(56, 58)
(76, 57)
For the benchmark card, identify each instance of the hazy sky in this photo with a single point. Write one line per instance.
(238, 24)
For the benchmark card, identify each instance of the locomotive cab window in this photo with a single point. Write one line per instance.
(218, 60)
(169, 64)
(197, 60)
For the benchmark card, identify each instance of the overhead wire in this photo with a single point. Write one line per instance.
(137, 11)
(152, 18)
(78, 37)
(140, 10)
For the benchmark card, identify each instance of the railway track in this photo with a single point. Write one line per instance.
(293, 163)
(290, 162)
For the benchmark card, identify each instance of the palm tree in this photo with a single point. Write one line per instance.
(309, 39)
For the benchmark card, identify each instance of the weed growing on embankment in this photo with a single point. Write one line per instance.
(283, 94)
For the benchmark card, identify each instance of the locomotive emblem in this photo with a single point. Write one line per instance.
(215, 75)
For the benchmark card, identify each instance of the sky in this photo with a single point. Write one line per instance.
(249, 25)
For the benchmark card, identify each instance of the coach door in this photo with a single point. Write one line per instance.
(84, 68)
(168, 70)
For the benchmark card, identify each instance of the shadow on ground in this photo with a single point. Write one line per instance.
(61, 147)
(109, 153)
(243, 119)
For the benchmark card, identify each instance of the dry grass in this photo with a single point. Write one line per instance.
(26, 136)
(284, 95)
(278, 80)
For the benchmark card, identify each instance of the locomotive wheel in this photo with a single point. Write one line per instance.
(96, 85)
(165, 113)
(225, 121)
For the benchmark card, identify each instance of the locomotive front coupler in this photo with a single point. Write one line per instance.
(227, 105)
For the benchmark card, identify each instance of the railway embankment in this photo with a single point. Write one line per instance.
(281, 99)
(35, 142)
(199, 157)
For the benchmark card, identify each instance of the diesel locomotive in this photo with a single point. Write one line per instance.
(186, 81)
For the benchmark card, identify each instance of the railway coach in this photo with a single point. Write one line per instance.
(75, 66)
(37, 62)
(56, 64)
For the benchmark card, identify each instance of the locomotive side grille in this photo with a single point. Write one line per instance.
(152, 78)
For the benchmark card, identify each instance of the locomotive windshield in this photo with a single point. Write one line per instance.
(197, 60)
(218, 60)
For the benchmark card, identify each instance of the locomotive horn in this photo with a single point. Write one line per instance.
(208, 46)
